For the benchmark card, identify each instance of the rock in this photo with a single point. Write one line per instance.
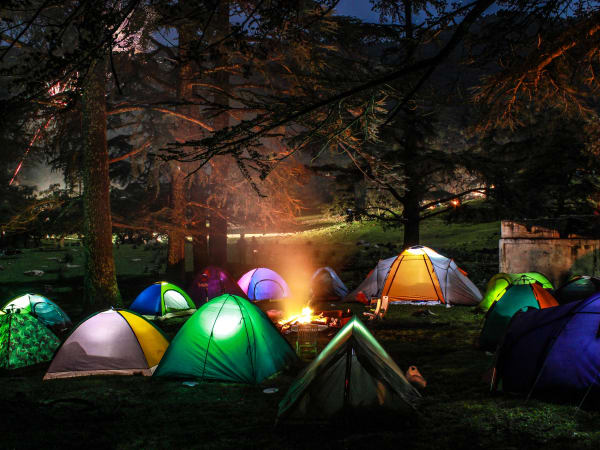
(34, 273)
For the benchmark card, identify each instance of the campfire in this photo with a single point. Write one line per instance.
(325, 319)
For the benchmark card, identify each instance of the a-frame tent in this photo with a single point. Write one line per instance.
(351, 374)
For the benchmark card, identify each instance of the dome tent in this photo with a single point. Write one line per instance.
(554, 351)
(212, 282)
(352, 373)
(111, 342)
(419, 274)
(227, 339)
(46, 311)
(263, 284)
(327, 286)
(24, 341)
(517, 297)
(577, 288)
(498, 284)
(162, 300)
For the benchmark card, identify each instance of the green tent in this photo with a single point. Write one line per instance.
(24, 341)
(498, 284)
(517, 298)
(227, 339)
(352, 374)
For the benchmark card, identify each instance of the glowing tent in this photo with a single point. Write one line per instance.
(327, 286)
(419, 274)
(227, 339)
(42, 308)
(263, 284)
(212, 282)
(500, 282)
(112, 342)
(163, 300)
(518, 297)
(352, 374)
(554, 351)
(577, 288)
(24, 341)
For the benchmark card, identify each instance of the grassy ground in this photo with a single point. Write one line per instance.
(136, 412)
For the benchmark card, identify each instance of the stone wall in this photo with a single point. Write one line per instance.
(538, 249)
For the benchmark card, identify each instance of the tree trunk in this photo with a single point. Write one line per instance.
(178, 204)
(199, 231)
(100, 281)
(412, 220)
(176, 248)
(218, 225)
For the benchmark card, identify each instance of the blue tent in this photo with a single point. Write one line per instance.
(327, 286)
(263, 284)
(162, 300)
(553, 350)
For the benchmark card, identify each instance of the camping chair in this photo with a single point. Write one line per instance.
(378, 308)
(306, 343)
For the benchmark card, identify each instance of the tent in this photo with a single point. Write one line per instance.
(498, 284)
(577, 288)
(517, 297)
(327, 286)
(111, 342)
(263, 284)
(24, 341)
(352, 373)
(227, 339)
(45, 310)
(162, 300)
(419, 274)
(552, 351)
(212, 282)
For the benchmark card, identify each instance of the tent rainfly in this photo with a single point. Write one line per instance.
(24, 341)
(419, 274)
(352, 374)
(163, 300)
(227, 339)
(517, 297)
(552, 352)
(112, 342)
(500, 282)
(45, 310)
(327, 286)
(577, 288)
(263, 284)
(213, 282)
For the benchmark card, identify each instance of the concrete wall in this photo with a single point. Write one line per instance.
(539, 249)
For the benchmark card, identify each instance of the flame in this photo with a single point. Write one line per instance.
(306, 316)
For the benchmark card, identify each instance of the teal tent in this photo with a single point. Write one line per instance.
(227, 339)
(579, 287)
(352, 374)
(500, 282)
(518, 297)
(45, 310)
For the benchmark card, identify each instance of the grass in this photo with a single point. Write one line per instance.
(136, 412)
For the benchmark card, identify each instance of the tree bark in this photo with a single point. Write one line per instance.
(199, 231)
(176, 248)
(217, 240)
(100, 281)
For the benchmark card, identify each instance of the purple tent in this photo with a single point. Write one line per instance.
(213, 282)
(263, 284)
